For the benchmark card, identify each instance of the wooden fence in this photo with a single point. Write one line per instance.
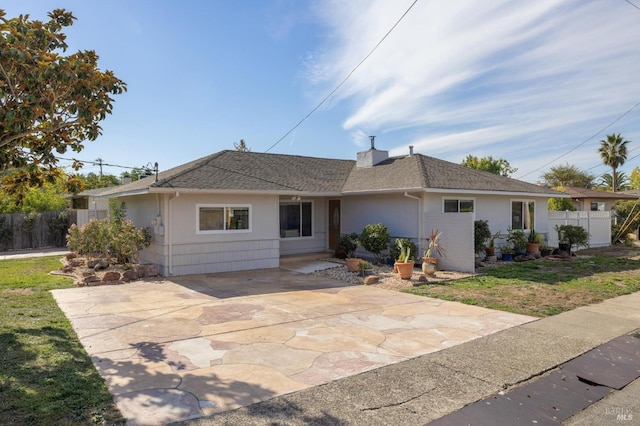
(20, 231)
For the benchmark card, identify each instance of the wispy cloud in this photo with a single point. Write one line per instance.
(525, 81)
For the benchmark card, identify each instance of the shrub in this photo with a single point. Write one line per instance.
(28, 225)
(127, 242)
(58, 227)
(628, 219)
(113, 237)
(375, 239)
(481, 235)
(6, 233)
(572, 235)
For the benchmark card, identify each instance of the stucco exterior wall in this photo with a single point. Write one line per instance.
(585, 204)
(397, 212)
(456, 239)
(494, 208)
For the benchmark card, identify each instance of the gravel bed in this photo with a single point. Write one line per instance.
(387, 278)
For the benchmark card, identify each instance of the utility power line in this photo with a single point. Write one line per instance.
(582, 143)
(344, 80)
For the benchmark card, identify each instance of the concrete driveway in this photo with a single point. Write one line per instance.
(193, 346)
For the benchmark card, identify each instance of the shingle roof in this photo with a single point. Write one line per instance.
(421, 171)
(249, 171)
(576, 192)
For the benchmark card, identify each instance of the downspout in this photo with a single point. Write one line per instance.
(406, 194)
(170, 236)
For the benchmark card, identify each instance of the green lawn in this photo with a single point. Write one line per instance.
(46, 377)
(542, 287)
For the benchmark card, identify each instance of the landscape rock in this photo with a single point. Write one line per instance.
(102, 264)
(423, 279)
(111, 276)
(370, 279)
(150, 270)
(130, 275)
(67, 269)
(76, 263)
(91, 280)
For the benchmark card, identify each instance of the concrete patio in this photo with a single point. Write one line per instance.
(193, 346)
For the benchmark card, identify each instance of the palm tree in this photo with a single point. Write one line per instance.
(622, 181)
(613, 152)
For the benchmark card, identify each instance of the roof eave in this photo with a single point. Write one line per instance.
(496, 192)
(156, 190)
(382, 191)
(124, 193)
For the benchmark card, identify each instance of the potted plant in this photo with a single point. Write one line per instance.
(429, 261)
(570, 235)
(533, 242)
(507, 252)
(545, 250)
(348, 243)
(396, 247)
(405, 261)
(517, 239)
(490, 250)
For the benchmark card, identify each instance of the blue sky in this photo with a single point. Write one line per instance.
(525, 81)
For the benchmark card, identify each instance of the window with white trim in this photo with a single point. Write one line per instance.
(214, 218)
(597, 206)
(296, 219)
(523, 214)
(455, 205)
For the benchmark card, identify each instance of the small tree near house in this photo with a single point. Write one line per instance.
(572, 235)
(375, 239)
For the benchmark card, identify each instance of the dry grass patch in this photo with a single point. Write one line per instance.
(546, 287)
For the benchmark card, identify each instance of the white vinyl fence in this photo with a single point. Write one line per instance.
(597, 224)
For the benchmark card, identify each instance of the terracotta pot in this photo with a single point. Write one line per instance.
(405, 269)
(352, 264)
(491, 251)
(533, 247)
(429, 265)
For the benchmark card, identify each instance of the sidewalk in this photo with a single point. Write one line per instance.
(430, 387)
(23, 254)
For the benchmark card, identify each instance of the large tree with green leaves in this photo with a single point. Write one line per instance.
(498, 166)
(560, 204)
(634, 178)
(613, 151)
(49, 102)
(561, 176)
